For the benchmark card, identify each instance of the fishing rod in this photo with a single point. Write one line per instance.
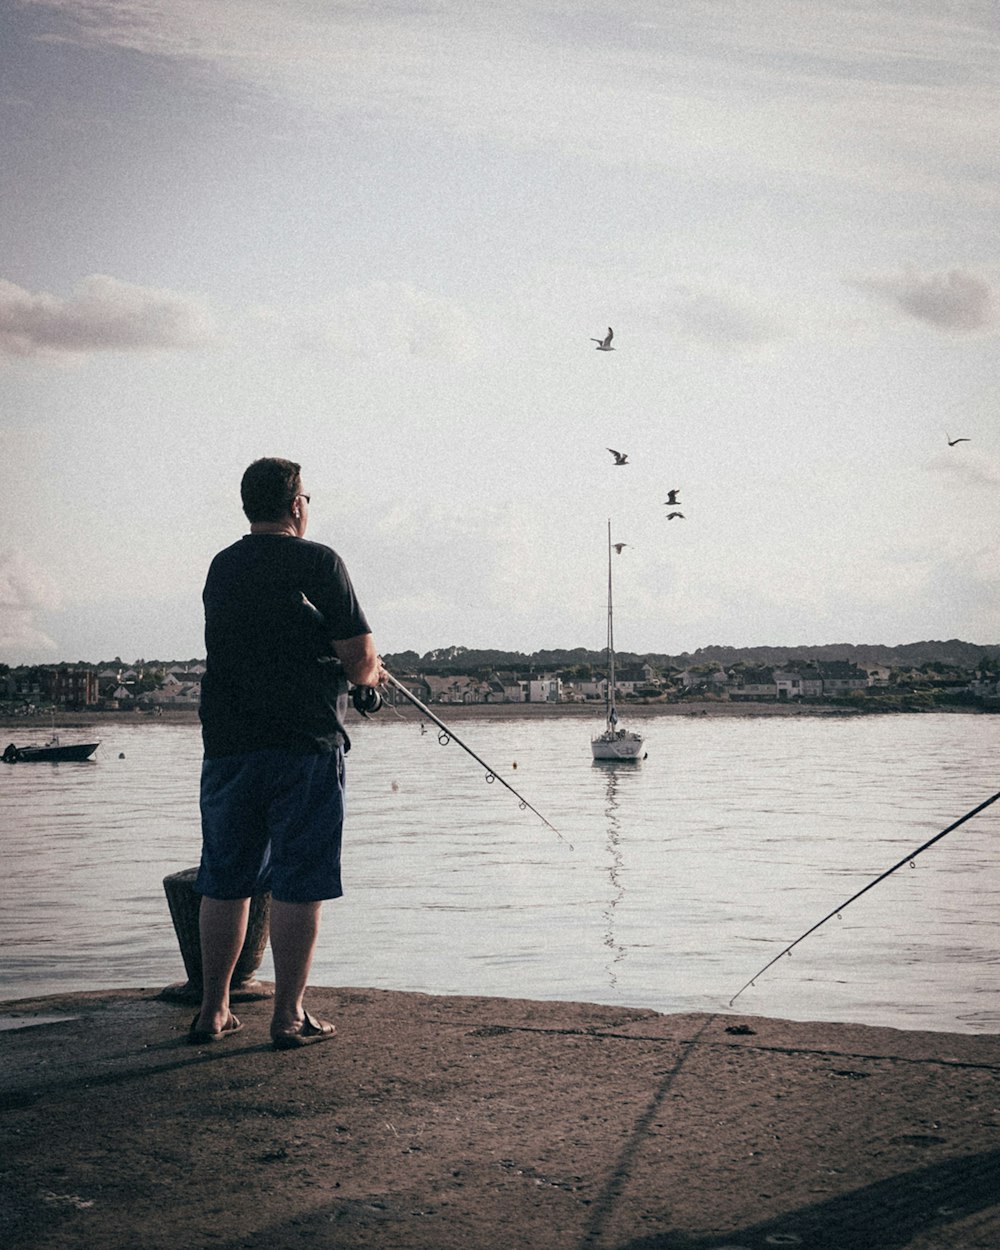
(448, 735)
(908, 859)
(368, 699)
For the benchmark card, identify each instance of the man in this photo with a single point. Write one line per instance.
(284, 635)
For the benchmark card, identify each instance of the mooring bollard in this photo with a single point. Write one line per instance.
(184, 903)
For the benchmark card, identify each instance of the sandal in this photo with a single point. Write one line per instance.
(198, 1037)
(311, 1030)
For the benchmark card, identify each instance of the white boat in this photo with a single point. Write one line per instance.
(614, 743)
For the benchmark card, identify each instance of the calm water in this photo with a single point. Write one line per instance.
(685, 874)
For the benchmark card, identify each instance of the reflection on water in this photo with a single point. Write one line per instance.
(616, 948)
(683, 877)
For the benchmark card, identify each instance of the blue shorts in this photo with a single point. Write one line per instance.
(272, 820)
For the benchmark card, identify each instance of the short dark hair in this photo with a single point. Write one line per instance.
(268, 487)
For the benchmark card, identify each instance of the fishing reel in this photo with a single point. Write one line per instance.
(366, 700)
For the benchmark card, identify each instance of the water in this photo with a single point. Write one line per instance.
(685, 874)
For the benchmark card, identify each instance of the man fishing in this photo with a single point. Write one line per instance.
(284, 634)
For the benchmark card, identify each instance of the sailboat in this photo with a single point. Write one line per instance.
(614, 743)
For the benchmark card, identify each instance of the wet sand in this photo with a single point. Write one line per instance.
(475, 1124)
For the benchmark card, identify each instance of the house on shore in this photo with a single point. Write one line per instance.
(755, 684)
(544, 690)
(840, 677)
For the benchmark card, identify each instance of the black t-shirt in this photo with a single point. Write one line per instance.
(273, 603)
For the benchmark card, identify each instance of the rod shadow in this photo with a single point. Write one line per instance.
(888, 1214)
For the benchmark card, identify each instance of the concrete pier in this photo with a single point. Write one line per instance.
(480, 1124)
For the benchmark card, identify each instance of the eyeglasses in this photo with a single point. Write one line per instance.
(301, 496)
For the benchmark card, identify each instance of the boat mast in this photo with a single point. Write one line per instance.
(612, 715)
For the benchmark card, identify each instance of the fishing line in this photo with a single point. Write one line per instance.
(908, 859)
(448, 735)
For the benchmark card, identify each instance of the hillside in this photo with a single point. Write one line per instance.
(456, 659)
(962, 655)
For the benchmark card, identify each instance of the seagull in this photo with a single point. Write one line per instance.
(618, 547)
(621, 457)
(671, 498)
(604, 345)
(953, 441)
(671, 515)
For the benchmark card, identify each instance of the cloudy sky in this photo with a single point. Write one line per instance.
(377, 238)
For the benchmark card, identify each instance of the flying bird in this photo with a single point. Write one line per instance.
(618, 547)
(621, 457)
(671, 498)
(604, 344)
(671, 515)
(953, 441)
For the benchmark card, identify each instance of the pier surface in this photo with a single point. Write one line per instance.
(436, 1123)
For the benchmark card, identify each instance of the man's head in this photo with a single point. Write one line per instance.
(270, 488)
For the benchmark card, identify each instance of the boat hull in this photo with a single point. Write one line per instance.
(617, 744)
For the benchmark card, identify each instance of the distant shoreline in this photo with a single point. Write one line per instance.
(43, 721)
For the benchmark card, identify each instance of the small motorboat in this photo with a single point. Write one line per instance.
(51, 752)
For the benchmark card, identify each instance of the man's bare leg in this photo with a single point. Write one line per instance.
(294, 931)
(223, 927)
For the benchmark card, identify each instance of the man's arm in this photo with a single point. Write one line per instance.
(360, 660)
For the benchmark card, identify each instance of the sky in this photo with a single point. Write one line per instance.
(378, 238)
